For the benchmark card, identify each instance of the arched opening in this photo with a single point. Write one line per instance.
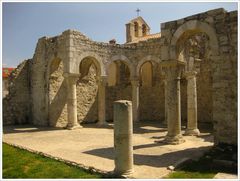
(146, 74)
(87, 90)
(57, 96)
(193, 48)
(151, 92)
(136, 29)
(123, 75)
(119, 86)
(144, 30)
(85, 65)
(112, 74)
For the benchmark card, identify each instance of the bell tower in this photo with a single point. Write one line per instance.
(136, 28)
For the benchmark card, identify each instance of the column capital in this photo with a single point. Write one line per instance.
(164, 78)
(173, 73)
(71, 78)
(193, 64)
(190, 74)
(135, 81)
(102, 80)
(173, 69)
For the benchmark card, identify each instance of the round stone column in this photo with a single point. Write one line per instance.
(165, 101)
(192, 128)
(135, 99)
(102, 81)
(173, 102)
(72, 102)
(123, 132)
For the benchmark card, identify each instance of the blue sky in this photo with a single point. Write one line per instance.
(24, 23)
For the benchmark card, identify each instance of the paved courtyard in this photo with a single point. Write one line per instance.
(93, 146)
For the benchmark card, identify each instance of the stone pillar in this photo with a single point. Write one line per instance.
(135, 99)
(72, 102)
(191, 104)
(123, 132)
(102, 81)
(173, 101)
(165, 101)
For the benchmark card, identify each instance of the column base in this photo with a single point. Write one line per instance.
(100, 123)
(125, 174)
(192, 132)
(164, 122)
(74, 127)
(136, 120)
(174, 140)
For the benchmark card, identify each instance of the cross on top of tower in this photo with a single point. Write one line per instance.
(138, 11)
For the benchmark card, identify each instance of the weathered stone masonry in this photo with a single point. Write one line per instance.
(193, 69)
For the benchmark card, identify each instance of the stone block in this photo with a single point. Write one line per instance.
(214, 12)
(180, 22)
(220, 17)
(209, 20)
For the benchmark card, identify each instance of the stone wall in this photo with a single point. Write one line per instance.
(16, 105)
(57, 98)
(87, 90)
(151, 99)
(39, 87)
(151, 103)
(204, 92)
(86, 98)
(116, 93)
(225, 79)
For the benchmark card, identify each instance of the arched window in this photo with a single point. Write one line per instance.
(144, 30)
(136, 29)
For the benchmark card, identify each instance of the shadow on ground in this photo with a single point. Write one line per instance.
(27, 129)
(163, 160)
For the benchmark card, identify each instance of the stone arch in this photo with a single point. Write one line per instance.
(153, 61)
(125, 60)
(90, 68)
(121, 89)
(149, 58)
(85, 65)
(94, 58)
(194, 26)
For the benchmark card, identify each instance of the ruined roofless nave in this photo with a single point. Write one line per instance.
(185, 73)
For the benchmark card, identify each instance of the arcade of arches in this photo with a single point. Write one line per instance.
(185, 73)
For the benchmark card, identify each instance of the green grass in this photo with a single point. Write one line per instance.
(186, 174)
(19, 163)
(205, 167)
(194, 169)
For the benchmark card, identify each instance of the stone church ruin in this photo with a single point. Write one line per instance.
(187, 72)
